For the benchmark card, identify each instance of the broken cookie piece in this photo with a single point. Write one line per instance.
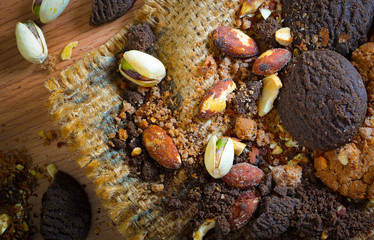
(104, 11)
(66, 211)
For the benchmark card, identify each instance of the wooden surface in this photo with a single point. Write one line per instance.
(22, 94)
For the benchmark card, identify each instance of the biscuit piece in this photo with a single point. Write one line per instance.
(348, 170)
(323, 102)
(363, 61)
(140, 37)
(104, 11)
(340, 25)
(66, 211)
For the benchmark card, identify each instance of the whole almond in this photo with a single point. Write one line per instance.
(234, 42)
(161, 147)
(271, 61)
(243, 209)
(243, 176)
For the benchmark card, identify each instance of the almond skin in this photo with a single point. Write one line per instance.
(271, 61)
(161, 147)
(214, 100)
(235, 43)
(244, 176)
(243, 209)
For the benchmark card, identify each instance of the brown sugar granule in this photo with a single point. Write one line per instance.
(17, 180)
(245, 128)
(363, 61)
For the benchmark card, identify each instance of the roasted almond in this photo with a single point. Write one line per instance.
(214, 100)
(271, 61)
(161, 147)
(235, 43)
(243, 176)
(249, 7)
(243, 209)
(283, 36)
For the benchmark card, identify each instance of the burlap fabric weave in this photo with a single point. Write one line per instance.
(85, 98)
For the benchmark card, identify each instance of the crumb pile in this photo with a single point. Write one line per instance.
(17, 181)
(293, 202)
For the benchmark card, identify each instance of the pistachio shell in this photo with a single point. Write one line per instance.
(143, 69)
(32, 46)
(219, 163)
(48, 10)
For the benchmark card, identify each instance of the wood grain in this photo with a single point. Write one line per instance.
(22, 94)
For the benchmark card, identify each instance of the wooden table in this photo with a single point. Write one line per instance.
(22, 94)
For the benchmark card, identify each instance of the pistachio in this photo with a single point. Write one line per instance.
(141, 68)
(52, 170)
(30, 42)
(219, 156)
(204, 228)
(48, 10)
(4, 223)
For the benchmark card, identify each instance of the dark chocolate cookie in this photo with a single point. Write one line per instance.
(66, 211)
(140, 37)
(104, 11)
(323, 102)
(340, 25)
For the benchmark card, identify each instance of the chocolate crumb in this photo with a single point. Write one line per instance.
(140, 37)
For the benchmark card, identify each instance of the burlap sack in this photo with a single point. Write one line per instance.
(85, 99)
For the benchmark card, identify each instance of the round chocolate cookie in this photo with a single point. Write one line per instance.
(323, 102)
(66, 211)
(340, 25)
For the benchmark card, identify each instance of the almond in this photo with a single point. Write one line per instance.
(214, 100)
(271, 61)
(161, 147)
(283, 36)
(238, 146)
(269, 93)
(234, 42)
(243, 176)
(243, 209)
(250, 7)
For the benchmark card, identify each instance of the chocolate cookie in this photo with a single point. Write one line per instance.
(340, 25)
(104, 11)
(323, 102)
(66, 211)
(140, 37)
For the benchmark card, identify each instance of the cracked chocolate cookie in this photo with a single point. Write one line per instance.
(323, 102)
(340, 25)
